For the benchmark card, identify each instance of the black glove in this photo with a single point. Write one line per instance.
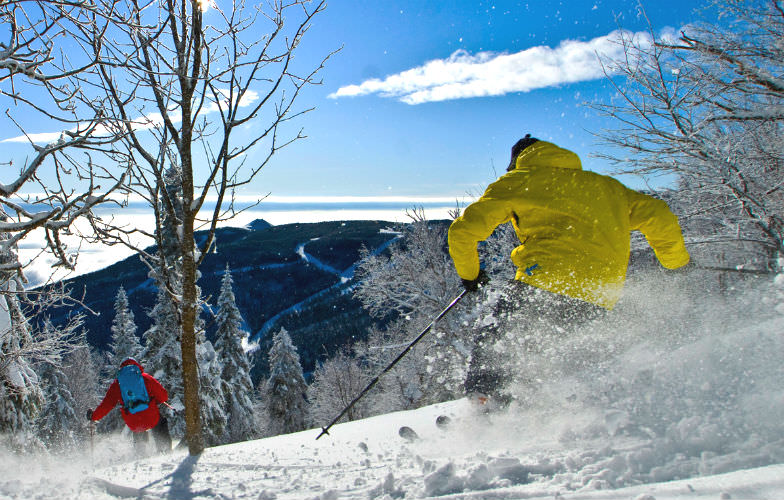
(89, 414)
(478, 282)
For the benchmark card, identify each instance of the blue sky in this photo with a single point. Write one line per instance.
(367, 138)
(425, 99)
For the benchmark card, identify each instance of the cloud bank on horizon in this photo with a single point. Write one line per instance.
(462, 75)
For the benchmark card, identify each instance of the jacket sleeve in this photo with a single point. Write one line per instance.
(653, 218)
(476, 224)
(155, 389)
(109, 401)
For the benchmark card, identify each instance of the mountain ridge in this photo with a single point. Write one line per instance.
(297, 276)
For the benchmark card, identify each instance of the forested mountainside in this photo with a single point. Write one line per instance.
(296, 276)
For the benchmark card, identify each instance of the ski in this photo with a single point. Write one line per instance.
(443, 422)
(408, 434)
(119, 490)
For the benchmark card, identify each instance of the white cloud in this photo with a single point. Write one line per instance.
(42, 138)
(249, 98)
(463, 75)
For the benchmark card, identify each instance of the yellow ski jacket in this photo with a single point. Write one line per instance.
(574, 226)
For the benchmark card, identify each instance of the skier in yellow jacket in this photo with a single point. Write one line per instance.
(574, 228)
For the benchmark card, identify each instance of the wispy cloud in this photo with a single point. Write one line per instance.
(463, 75)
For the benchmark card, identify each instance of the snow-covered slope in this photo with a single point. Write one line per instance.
(663, 399)
(508, 456)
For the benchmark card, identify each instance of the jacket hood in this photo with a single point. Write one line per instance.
(131, 361)
(547, 154)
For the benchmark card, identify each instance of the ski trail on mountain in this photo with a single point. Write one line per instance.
(315, 261)
(309, 259)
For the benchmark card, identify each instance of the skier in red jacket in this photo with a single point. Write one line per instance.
(139, 422)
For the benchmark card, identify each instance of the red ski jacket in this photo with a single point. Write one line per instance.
(143, 420)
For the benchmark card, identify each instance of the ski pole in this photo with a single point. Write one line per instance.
(92, 444)
(733, 270)
(325, 430)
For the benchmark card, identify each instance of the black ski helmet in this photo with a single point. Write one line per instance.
(518, 148)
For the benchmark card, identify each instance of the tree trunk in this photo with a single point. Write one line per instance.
(190, 369)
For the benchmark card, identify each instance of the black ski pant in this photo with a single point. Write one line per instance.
(528, 313)
(160, 434)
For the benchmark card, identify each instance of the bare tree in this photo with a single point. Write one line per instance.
(181, 79)
(49, 182)
(336, 382)
(416, 276)
(52, 187)
(705, 107)
(415, 279)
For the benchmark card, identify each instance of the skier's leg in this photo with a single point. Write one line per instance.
(140, 440)
(545, 320)
(569, 313)
(160, 434)
(488, 369)
(484, 374)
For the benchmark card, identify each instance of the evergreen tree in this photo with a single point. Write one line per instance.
(285, 388)
(237, 384)
(20, 393)
(213, 413)
(163, 353)
(58, 425)
(82, 379)
(125, 343)
(211, 390)
(162, 357)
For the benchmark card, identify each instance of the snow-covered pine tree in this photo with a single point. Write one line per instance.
(237, 384)
(163, 353)
(211, 390)
(284, 391)
(20, 394)
(82, 380)
(162, 357)
(58, 425)
(125, 343)
(212, 395)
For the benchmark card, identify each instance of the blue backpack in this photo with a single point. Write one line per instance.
(132, 388)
